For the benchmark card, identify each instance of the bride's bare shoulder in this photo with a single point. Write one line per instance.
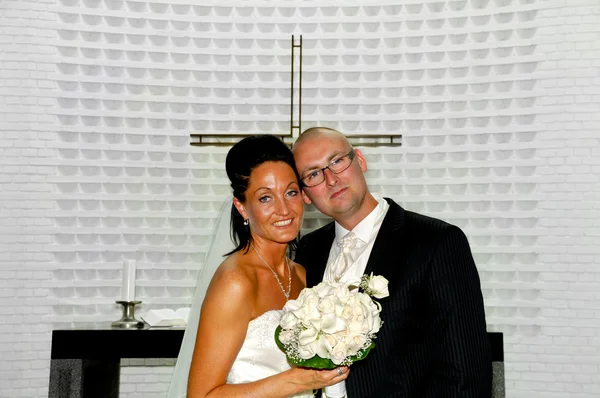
(234, 276)
(230, 298)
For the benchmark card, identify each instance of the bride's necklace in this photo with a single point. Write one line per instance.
(289, 289)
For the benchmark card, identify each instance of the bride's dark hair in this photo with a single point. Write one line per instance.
(242, 158)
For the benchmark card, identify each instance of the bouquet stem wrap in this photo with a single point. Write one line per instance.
(336, 391)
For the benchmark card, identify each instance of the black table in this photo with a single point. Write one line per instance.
(85, 362)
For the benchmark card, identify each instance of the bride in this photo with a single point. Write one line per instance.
(235, 352)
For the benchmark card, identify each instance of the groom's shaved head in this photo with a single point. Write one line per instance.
(315, 132)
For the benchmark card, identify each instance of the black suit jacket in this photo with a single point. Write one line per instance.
(433, 342)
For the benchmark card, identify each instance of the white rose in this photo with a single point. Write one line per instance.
(306, 352)
(339, 353)
(342, 291)
(322, 346)
(330, 323)
(355, 343)
(345, 301)
(325, 288)
(375, 324)
(378, 286)
(347, 312)
(369, 319)
(359, 327)
(292, 305)
(288, 320)
(372, 322)
(368, 304)
(304, 296)
(308, 314)
(359, 310)
(327, 304)
(331, 340)
(285, 336)
(307, 336)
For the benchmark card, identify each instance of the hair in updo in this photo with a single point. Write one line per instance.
(242, 158)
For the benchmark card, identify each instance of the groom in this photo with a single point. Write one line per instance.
(433, 342)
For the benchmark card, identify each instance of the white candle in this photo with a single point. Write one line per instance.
(128, 286)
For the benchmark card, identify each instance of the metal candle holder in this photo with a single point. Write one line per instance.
(128, 320)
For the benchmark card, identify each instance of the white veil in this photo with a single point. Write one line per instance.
(220, 244)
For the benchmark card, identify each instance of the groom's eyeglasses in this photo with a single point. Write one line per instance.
(336, 166)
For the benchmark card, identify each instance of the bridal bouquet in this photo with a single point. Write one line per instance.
(332, 323)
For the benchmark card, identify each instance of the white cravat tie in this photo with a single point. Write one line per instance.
(342, 261)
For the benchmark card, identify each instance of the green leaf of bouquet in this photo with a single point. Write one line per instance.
(317, 362)
(279, 343)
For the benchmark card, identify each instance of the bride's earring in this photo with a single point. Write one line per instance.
(246, 222)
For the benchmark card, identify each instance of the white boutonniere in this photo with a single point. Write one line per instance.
(375, 285)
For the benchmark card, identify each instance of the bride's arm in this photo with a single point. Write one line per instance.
(226, 312)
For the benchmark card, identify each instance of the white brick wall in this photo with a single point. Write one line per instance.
(562, 357)
(498, 101)
(26, 128)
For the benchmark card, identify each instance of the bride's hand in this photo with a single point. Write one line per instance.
(312, 379)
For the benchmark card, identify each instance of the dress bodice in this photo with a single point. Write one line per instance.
(259, 356)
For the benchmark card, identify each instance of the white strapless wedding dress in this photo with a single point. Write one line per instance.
(259, 356)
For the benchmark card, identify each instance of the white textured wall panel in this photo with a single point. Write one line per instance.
(498, 103)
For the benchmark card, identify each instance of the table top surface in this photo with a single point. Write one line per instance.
(105, 342)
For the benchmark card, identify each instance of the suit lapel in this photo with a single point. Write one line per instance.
(386, 246)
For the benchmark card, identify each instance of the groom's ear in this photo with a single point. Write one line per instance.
(306, 198)
(240, 208)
